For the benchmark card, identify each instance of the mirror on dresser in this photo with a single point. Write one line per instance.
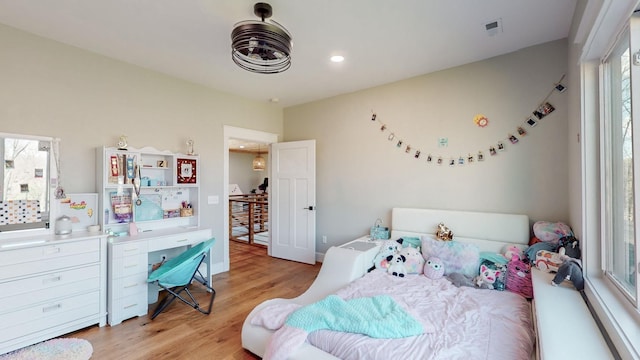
(26, 189)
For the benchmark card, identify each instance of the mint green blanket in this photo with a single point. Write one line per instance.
(377, 317)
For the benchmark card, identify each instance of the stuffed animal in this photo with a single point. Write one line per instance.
(414, 262)
(459, 279)
(519, 277)
(569, 246)
(511, 250)
(571, 268)
(548, 231)
(487, 277)
(388, 247)
(396, 265)
(548, 261)
(443, 233)
(434, 268)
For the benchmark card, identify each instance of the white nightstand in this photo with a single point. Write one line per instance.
(368, 248)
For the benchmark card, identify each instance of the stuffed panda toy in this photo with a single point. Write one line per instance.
(396, 265)
(388, 247)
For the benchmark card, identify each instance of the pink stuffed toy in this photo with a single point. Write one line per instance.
(519, 277)
(511, 250)
(434, 268)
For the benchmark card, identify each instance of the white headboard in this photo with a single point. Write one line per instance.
(490, 231)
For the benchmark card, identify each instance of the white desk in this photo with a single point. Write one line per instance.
(129, 267)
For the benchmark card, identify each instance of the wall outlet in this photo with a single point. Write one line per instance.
(324, 239)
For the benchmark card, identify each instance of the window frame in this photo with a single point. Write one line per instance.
(608, 166)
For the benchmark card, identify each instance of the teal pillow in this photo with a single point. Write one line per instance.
(411, 241)
(493, 257)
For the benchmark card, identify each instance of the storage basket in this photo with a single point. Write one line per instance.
(379, 232)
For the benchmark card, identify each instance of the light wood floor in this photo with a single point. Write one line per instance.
(181, 332)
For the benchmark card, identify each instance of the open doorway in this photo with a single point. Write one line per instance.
(248, 192)
(235, 135)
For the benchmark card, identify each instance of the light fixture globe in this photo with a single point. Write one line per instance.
(259, 164)
(260, 46)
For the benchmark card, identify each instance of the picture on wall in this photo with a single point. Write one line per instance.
(186, 171)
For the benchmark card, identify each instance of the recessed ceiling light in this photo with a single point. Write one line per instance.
(241, 146)
(337, 58)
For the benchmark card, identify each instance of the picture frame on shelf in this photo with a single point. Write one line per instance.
(186, 171)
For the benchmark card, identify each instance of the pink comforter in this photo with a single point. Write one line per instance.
(470, 323)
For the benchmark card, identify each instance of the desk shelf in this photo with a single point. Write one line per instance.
(148, 187)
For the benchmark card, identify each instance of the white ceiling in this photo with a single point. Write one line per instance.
(382, 40)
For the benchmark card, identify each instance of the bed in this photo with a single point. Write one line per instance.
(479, 324)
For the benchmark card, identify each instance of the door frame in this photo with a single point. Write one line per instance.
(232, 132)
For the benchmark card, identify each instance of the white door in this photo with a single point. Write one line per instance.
(292, 201)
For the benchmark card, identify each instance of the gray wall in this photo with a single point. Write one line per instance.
(87, 101)
(361, 175)
(241, 171)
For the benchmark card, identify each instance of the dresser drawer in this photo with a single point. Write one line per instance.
(129, 265)
(43, 316)
(186, 238)
(127, 307)
(24, 262)
(128, 249)
(45, 287)
(49, 251)
(130, 285)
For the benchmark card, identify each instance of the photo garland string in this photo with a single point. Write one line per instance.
(543, 109)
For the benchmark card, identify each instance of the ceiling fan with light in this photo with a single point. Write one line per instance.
(261, 46)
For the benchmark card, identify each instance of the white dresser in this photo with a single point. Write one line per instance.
(129, 267)
(49, 286)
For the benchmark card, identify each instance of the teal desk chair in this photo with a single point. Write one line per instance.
(176, 275)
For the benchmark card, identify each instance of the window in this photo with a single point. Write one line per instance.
(618, 167)
(24, 190)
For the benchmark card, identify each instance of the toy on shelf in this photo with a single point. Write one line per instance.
(571, 268)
